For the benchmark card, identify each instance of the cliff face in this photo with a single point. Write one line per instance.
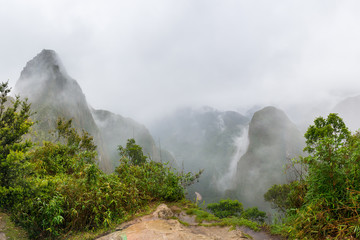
(273, 140)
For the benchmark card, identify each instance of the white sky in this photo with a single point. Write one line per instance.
(141, 58)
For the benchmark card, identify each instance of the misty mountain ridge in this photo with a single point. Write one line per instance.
(53, 94)
(349, 110)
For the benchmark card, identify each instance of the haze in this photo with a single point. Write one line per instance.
(145, 58)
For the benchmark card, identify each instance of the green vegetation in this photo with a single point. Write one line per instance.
(324, 202)
(234, 208)
(132, 153)
(55, 189)
(228, 213)
(14, 123)
(226, 208)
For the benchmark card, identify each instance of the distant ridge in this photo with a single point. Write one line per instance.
(349, 110)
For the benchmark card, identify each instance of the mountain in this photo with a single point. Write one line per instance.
(53, 94)
(349, 110)
(206, 139)
(116, 130)
(273, 140)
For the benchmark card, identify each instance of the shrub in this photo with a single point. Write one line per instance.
(226, 208)
(254, 214)
(156, 180)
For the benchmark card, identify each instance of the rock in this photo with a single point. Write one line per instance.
(163, 212)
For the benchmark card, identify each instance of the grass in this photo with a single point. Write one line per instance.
(207, 219)
(201, 215)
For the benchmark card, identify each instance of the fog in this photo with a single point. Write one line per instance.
(143, 59)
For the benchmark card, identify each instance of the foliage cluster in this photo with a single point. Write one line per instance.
(234, 208)
(229, 213)
(56, 188)
(325, 202)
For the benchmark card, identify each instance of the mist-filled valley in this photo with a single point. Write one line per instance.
(183, 119)
(249, 156)
(242, 155)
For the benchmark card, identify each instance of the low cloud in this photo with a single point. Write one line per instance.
(144, 58)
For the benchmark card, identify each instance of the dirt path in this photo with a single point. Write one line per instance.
(159, 226)
(2, 228)
(9, 231)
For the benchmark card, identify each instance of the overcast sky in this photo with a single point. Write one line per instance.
(140, 58)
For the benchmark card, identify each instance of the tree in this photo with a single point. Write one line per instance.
(14, 124)
(330, 191)
(328, 147)
(333, 128)
(132, 152)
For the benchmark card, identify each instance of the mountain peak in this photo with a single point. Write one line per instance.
(47, 61)
(48, 56)
(43, 74)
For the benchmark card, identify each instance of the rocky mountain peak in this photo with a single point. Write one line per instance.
(45, 72)
(46, 62)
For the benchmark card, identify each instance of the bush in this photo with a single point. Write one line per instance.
(287, 196)
(156, 180)
(226, 208)
(254, 214)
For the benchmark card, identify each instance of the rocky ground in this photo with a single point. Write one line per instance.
(161, 225)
